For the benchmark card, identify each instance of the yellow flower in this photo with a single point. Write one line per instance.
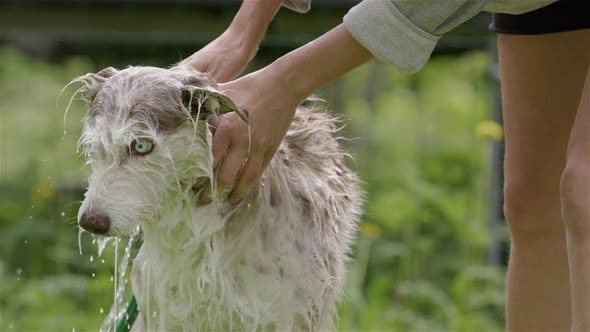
(370, 230)
(490, 130)
(43, 191)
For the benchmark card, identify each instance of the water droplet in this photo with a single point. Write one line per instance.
(63, 213)
(30, 217)
(43, 160)
(249, 205)
(19, 271)
(102, 260)
(93, 274)
(102, 243)
(101, 310)
(92, 258)
(112, 279)
(26, 241)
(18, 278)
(33, 206)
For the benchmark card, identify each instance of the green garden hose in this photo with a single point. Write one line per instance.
(129, 318)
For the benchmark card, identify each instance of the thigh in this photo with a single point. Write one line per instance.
(542, 77)
(579, 145)
(575, 191)
(576, 178)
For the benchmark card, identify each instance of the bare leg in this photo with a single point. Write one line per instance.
(575, 194)
(542, 79)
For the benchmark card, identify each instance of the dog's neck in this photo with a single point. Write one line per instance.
(187, 242)
(184, 222)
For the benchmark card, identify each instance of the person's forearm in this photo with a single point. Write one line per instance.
(308, 68)
(252, 20)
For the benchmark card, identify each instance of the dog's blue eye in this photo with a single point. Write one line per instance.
(142, 146)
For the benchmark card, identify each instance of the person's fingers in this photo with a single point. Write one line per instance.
(248, 176)
(266, 160)
(200, 182)
(231, 165)
(220, 144)
(205, 196)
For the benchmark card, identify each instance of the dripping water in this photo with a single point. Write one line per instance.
(118, 309)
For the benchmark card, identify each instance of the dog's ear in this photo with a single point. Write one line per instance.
(94, 82)
(203, 96)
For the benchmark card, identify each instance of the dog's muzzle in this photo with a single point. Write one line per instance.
(95, 222)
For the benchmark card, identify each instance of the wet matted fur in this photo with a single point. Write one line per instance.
(273, 262)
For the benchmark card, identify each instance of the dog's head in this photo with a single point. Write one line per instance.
(145, 136)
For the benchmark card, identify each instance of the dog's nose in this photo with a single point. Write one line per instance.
(95, 222)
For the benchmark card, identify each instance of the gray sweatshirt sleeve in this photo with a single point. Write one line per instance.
(405, 32)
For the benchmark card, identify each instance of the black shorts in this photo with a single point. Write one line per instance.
(563, 15)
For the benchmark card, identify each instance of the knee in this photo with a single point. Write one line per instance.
(532, 208)
(575, 198)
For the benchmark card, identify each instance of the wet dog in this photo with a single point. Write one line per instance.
(275, 261)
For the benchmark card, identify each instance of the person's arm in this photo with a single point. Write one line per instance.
(271, 96)
(399, 32)
(305, 70)
(227, 56)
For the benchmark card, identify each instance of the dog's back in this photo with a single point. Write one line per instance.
(273, 262)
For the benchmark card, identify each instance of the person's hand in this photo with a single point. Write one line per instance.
(224, 58)
(270, 108)
(270, 97)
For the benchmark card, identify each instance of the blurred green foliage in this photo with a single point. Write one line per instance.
(419, 259)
